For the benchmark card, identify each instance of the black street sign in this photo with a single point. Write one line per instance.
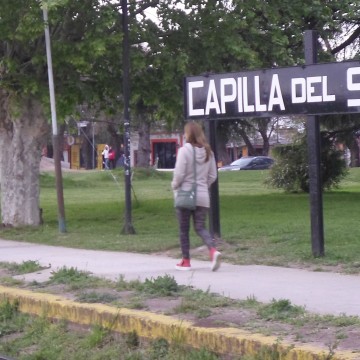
(331, 88)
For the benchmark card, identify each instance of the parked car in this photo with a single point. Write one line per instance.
(249, 163)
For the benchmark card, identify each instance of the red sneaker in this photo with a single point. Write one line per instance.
(183, 265)
(215, 257)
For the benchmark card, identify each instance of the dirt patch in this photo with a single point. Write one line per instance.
(47, 164)
(325, 332)
(3, 273)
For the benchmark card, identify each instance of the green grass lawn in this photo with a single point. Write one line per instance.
(259, 225)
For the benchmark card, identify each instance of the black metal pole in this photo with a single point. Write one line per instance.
(314, 151)
(214, 213)
(128, 227)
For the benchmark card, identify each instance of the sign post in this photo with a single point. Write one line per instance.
(214, 212)
(311, 90)
(314, 159)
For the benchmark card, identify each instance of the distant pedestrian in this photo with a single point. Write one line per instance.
(120, 161)
(111, 158)
(105, 154)
(183, 178)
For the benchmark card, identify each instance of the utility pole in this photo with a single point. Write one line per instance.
(55, 138)
(128, 227)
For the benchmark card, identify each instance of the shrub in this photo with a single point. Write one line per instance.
(162, 286)
(291, 170)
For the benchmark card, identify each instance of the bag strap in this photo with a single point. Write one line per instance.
(194, 166)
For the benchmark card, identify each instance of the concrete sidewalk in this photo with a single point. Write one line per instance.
(318, 292)
(322, 293)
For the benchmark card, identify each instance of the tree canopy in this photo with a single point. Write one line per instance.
(188, 37)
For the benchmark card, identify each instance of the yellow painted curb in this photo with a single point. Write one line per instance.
(228, 341)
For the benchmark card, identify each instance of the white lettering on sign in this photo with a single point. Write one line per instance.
(353, 86)
(247, 107)
(276, 97)
(276, 91)
(229, 82)
(310, 89)
(212, 101)
(326, 96)
(258, 105)
(305, 90)
(240, 95)
(298, 94)
(236, 91)
(192, 111)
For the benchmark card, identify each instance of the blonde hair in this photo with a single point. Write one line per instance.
(194, 135)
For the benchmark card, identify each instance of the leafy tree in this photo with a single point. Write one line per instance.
(225, 36)
(84, 34)
(291, 173)
(343, 129)
(196, 37)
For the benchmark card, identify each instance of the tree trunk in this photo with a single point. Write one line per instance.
(354, 152)
(143, 157)
(266, 143)
(117, 139)
(251, 150)
(22, 133)
(87, 147)
(221, 140)
(263, 130)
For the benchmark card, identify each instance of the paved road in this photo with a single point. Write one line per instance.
(319, 292)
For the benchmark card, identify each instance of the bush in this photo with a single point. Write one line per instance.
(162, 286)
(291, 170)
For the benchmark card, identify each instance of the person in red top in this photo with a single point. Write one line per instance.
(112, 158)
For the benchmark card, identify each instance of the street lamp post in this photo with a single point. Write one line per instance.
(55, 138)
(128, 227)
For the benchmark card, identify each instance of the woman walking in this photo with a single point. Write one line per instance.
(183, 178)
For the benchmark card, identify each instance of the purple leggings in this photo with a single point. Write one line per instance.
(199, 217)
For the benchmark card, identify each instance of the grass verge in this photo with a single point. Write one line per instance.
(163, 295)
(259, 225)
